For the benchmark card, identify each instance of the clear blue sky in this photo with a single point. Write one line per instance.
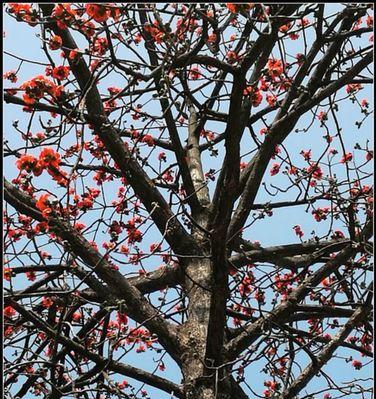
(21, 40)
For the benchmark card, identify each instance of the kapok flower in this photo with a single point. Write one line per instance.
(347, 157)
(235, 8)
(298, 231)
(271, 99)
(232, 57)
(123, 384)
(320, 213)
(11, 76)
(255, 95)
(194, 73)
(61, 72)
(47, 302)
(49, 157)
(322, 116)
(43, 204)
(7, 273)
(9, 312)
(55, 42)
(353, 88)
(98, 12)
(357, 364)
(29, 163)
(275, 169)
(315, 170)
(275, 67)
(148, 139)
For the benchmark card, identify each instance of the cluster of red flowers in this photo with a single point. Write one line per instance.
(232, 57)
(255, 95)
(38, 87)
(48, 160)
(44, 205)
(315, 170)
(245, 288)
(121, 205)
(66, 16)
(273, 387)
(353, 88)
(86, 200)
(134, 235)
(11, 76)
(320, 213)
(274, 68)
(155, 32)
(238, 7)
(24, 12)
(184, 25)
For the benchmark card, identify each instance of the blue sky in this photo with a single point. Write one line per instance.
(21, 40)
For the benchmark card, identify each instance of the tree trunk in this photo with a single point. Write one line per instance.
(202, 378)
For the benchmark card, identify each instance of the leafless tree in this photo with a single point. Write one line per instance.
(169, 166)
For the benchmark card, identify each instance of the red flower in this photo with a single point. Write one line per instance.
(285, 28)
(49, 157)
(121, 318)
(114, 90)
(369, 21)
(275, 67)
(61, 72)
(346, 158)
(29, 163)
(232, 57)
(255, 95)
(337, 235)
(357, 364)
(11, 75)
(7, 272)
(55, 42)
(306, 154)
(322, 116)
(162, 157)
(298, 231)
(74, 55)
(9, 312)
(77, 316)
(63, 14)
(271, 99)
(320, 213)
(315, 170)
(43, 205)
(369, 155)
(194, 73)
(123, 384)
(235, 8)
(148, 139)
(31, 276)
(47, 302)
(275, 169)
(353, 88)
(98, 12)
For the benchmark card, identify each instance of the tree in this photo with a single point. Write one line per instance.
(149, 150)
